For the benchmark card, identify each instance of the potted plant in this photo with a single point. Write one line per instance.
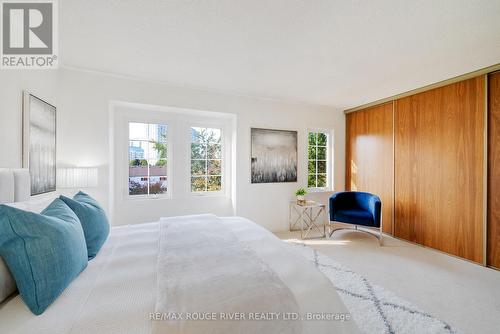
(300, 193)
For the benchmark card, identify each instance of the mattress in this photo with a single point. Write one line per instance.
(117, 293)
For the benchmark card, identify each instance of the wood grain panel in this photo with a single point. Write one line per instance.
(439, 139)
(494, 170)
(369, 156)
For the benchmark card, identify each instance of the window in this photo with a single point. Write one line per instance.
(318, 160)
(206, 160)
(147, 170)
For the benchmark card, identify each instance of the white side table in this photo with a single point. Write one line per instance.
(309, 216)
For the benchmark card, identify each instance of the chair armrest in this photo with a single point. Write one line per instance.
(375, 206)
(335, 204)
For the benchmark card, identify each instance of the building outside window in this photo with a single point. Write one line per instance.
(147, 159)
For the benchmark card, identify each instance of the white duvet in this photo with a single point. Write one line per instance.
(189, 266)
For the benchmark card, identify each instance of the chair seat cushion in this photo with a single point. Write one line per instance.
(354, 216)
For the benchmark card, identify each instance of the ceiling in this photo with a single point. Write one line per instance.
(329, 52)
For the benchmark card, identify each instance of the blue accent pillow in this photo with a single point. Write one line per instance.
(44, 252)
(93, 218)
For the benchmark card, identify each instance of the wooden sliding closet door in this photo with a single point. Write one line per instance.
(369, 156)
(494, 170)
(439, 151)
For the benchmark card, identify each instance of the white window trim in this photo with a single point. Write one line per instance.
(215, 125)
(329, 160)
(179, 122)
(149, 120)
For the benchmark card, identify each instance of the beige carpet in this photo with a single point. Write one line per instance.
(465, 295)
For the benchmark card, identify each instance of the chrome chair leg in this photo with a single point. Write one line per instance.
(379, 236)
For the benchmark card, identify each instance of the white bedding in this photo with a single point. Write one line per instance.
(118, 291)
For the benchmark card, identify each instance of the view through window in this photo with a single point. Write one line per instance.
(206, 159)
(147, 159)
(317, 163)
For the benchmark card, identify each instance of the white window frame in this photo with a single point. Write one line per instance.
(149, 120)
(213, 125)
(329, 160)
(179, 122)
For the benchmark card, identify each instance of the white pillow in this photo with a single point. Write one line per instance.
(6, 186)
(7, 283)
(35, 204)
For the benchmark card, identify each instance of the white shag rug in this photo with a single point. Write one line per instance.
(375, 309)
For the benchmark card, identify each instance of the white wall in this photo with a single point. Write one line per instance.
(83, 100)
(12, 84)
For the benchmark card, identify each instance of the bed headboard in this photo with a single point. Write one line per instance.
(15, 185)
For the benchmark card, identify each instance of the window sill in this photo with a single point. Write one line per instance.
(146, 197)
(208, 194)
(319, 190)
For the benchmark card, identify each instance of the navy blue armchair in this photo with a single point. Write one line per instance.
(357, 208)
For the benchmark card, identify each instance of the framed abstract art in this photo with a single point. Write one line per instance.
(39, 143)
(273, 156)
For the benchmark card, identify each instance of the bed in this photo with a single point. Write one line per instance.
(190, 274)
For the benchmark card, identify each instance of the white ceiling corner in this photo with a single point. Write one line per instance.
(327, 52)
